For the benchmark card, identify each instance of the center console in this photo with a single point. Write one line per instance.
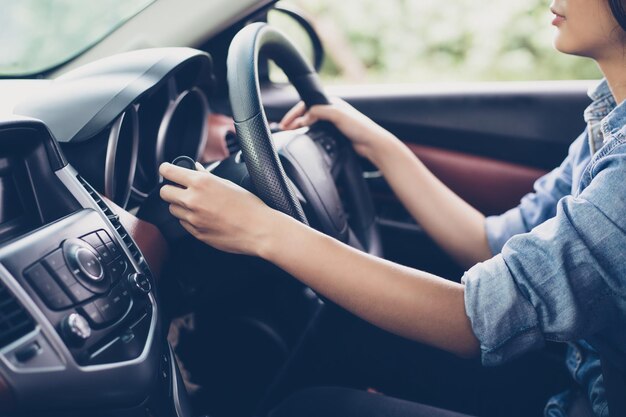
(79, 322)
(86, 286)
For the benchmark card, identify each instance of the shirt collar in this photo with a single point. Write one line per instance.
(603, 102)
(604, 117)
(614, 124)
(600, 91)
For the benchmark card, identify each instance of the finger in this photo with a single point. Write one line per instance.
(307, 120)
(173, 194)
(295, 112)
(179, 175)
(322, 112)
(179, 212)
(299, 122)
(199, 167)
(189, 227)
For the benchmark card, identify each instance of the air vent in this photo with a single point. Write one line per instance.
(117, 224)
(15, 322)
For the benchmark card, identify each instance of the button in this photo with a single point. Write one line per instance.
(93, 240)
(28, 352)
(93, 314)
(104, 306)
(97, 287)
(105, 254)
(89, 263)
(79, 293)
(47, 288)
(55, 260)
(104, 236)
(140, 283)
(117, 268)
(115, 305)
(65, 277)
(114, 249)
(40, 278)
(57, 300)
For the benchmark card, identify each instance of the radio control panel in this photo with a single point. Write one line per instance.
(89, 290)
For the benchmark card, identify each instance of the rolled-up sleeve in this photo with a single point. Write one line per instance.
(563, 280)
(538, 206)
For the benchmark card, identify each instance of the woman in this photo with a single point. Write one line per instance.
(552, 268)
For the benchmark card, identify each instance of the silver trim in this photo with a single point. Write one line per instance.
(43, 324)
(48, 355)
(103, 348)
(139, 193)
(111, 157)
(212, 166)
(167, 119)
(19, 342)
(369, 175)
(239, 157)
(175, 394)
(182, 410)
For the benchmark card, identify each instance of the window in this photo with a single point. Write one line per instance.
(36, 35)
(396, 41)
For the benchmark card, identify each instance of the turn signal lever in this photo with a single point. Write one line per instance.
(185, 162)
(156, 211)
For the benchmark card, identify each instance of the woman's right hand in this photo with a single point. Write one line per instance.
(367, 137)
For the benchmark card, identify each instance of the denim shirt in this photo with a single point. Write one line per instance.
(559, 270)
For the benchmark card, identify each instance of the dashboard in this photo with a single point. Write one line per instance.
(129, 113)
(78, 297)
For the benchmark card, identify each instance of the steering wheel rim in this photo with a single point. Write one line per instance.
(266, 171)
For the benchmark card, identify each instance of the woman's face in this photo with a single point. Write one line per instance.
(587, 28)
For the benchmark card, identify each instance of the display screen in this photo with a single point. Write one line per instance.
(10, 204)
(31, 195)
(17, 207)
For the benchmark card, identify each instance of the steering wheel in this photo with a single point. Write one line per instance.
(299, 172)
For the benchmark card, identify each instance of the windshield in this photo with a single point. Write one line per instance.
(36, 35)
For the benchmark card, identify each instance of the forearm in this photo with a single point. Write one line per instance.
(407, 302)
(454, 224)
(404, 301)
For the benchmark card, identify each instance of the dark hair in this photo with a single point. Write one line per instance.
(617, 7)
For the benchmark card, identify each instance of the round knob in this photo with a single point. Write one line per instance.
(89, 264)
(140, 283)
(83, 257)
(75, 329)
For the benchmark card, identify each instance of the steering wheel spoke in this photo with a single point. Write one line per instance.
(305, 164)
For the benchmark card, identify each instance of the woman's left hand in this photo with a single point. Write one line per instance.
(216, 211)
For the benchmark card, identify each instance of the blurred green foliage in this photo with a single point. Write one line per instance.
(435, 40)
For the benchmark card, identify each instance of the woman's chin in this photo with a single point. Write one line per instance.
(564, 45)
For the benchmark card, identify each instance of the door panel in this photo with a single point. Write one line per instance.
(487, 141)
(530, 123)
(490, 185)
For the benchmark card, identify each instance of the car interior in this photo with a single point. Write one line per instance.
(108, 307)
